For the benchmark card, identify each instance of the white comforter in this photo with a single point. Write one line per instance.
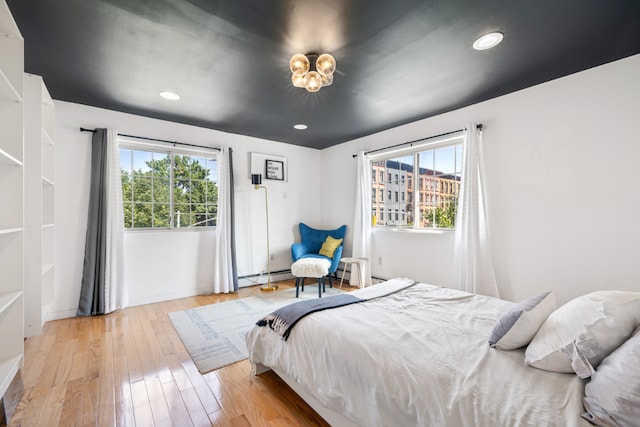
(418, 358)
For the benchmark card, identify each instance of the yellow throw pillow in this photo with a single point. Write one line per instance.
(329, 246)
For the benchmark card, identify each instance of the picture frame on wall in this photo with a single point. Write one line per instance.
(269, 166)
(274, 169)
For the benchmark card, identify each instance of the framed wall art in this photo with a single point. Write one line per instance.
(274, 169)
(269, 166)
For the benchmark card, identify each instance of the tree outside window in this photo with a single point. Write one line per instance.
(167, 190)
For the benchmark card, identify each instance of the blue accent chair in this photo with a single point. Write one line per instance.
(312, 241)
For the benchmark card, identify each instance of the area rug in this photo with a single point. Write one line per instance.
(214, 334)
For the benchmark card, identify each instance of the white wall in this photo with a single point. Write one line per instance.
(169, 264)
(562, 171)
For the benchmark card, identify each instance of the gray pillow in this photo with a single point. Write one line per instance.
(612, 397)
(517, 327)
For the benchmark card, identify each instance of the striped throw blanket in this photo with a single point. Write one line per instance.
(284, 319)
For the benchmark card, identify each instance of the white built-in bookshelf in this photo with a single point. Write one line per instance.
(11, 199)
(39, 126)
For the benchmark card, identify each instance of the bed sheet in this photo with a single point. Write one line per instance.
(418, 357)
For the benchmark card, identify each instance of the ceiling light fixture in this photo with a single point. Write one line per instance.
(312, 71)
(300, 126)
(488, 41)
(170, 95)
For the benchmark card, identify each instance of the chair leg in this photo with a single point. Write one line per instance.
(297, 286)
(302, 283)
(330, 283)
(320, 286)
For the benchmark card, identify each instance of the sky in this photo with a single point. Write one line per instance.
(445, 159)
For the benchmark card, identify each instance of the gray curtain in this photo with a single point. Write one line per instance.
(93, 276)
(234, 266)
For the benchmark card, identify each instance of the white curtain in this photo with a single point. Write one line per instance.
(473, 267)
(362, 220)
(115, 292)
(223, 281)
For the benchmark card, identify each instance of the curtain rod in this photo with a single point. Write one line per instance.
(479, 127)
(157, 140)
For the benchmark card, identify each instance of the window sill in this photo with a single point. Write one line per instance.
(413, 230)
(168, 230)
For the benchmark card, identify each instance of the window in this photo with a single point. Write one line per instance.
(382, 195)
(373, 195)
(433, 172)
(373, 175)
(381, 176)
(166, 189)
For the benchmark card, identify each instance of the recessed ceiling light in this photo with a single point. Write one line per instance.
(300, 126)
(170, 95)
(487, 41)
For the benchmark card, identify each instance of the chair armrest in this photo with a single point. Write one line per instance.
(336, 260)
(298, 250)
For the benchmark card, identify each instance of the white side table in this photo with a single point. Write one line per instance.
(359, 262)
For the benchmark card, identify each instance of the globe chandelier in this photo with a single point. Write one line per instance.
(312, 71)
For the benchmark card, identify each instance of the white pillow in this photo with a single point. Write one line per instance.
(584, 331)
(516, 327)
(612, 397)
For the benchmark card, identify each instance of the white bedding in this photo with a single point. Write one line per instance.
(418, 357)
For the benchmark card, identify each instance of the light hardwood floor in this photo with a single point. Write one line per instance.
(130, 368)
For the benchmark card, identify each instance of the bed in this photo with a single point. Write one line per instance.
(416, 357)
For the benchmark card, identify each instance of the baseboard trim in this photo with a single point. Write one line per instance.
(261, 279)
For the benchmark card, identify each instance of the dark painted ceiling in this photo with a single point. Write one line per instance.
(398, 60)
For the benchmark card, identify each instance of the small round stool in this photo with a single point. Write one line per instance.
(310, 267)
(359, 262)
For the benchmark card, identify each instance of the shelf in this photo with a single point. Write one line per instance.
(8, 159)
(10, 230)
(8, 298)
(46, 138)
(8, 27)
(46, 98)
(8, 370)
(47, 181)
(47, 268)
(8, 93)
(12, 199)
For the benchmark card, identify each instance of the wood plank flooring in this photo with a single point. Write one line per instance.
(130, 368)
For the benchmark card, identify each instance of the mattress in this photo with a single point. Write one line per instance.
(417, 357)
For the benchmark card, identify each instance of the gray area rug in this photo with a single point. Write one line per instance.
(214, 334)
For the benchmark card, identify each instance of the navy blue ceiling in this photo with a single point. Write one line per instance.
(398, 61)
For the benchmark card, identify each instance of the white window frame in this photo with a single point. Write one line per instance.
(435, 143)
(171, 150)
